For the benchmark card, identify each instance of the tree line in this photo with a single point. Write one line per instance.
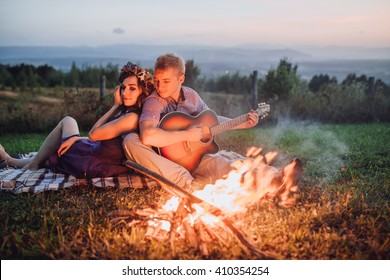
(26, 76)
(323, 98)
(277, 83)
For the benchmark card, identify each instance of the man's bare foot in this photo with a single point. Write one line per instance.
(3, 153)
(4, 157)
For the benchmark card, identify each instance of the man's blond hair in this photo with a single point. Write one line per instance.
(170, 60)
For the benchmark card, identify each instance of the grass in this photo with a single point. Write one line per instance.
(342, 212)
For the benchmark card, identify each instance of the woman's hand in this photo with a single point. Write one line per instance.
(65, 146)
(118, 101)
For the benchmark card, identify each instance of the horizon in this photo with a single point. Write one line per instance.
(282, 23)
(212, 62)
(207, 53)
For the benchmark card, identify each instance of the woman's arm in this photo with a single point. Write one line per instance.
(100, 131)
(112, 129)
(65, 146)
(95, 132)
(127, 123)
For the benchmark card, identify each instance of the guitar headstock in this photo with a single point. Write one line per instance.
(263, 110)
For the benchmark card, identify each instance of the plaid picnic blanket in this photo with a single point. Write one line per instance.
(18, 181)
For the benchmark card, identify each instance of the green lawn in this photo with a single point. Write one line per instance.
(342, 211)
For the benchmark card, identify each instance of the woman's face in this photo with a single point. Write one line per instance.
(130, 91)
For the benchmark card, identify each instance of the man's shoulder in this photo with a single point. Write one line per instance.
(190, 93)
(153, 95)
(153, 98)
(188, 90)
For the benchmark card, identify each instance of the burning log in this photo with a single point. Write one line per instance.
(199, 217)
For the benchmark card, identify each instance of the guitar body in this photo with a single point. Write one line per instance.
(189, 154)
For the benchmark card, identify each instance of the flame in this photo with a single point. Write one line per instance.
(165, 225)
(250, 181)
(206, 217)
(171, 204)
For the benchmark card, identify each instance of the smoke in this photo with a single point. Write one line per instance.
(316, 144)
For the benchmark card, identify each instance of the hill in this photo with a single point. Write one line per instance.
(214, 60)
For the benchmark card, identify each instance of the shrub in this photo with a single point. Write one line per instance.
(82, 105)
(31, 114)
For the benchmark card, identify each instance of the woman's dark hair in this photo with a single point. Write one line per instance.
(144, 79)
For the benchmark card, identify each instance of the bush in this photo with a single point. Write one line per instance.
(31, 114)
(84, 106)
(340, 104)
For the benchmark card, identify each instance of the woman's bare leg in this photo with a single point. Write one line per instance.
(10, 161)
(66, 127)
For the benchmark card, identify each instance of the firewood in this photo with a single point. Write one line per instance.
(202, 238)
(147, 212)
(214, 236)
(176, 220)
(190, 233)
(189, 230)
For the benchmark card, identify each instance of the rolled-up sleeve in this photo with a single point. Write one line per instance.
(152, 110)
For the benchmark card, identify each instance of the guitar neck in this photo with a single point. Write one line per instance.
(219, 128)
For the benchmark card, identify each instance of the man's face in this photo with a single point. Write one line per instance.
(168, 82)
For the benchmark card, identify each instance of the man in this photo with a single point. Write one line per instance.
(171, 96)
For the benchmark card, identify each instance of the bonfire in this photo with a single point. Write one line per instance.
(200, 216)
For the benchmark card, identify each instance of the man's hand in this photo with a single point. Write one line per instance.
(195, 134)
(253, 119)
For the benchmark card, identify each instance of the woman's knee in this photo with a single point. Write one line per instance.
(68, 126)
(68, 118)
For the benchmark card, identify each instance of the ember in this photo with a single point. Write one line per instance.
(201, 216)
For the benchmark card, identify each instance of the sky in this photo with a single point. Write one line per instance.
(285, 23)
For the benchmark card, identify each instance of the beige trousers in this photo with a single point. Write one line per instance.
(211, 168)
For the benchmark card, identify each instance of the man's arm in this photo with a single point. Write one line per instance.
(154, 136)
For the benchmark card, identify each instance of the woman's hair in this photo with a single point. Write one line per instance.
(144, 79)
(170, 60)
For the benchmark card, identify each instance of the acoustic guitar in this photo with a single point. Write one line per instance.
(189, 154)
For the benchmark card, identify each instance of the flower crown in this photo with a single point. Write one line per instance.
(133, 69)
(142, 74)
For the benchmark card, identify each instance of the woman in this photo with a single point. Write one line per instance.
(100, 154)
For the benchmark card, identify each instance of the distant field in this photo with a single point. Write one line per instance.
(380, 69)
